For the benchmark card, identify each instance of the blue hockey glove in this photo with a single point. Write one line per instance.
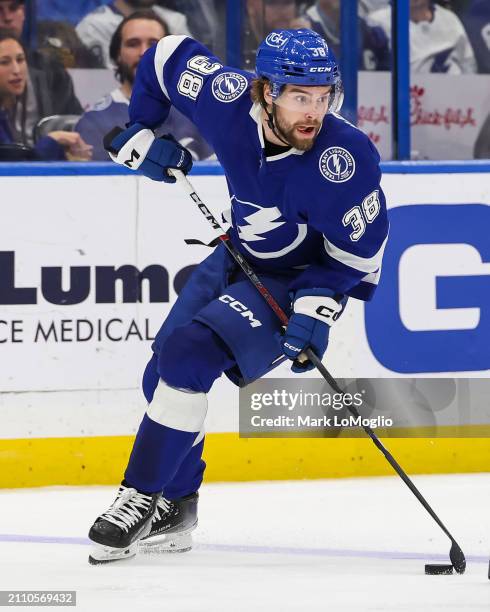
(315, 310)
(137, 148)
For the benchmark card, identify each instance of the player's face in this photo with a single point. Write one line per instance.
(12, 16)
(137, 36)
(13, 68)
(300, 112)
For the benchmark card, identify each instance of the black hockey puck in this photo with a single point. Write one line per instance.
(434, 569)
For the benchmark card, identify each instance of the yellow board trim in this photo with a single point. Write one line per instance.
(102, 460)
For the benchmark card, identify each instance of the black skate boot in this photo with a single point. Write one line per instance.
(117, 531)
(172, 524)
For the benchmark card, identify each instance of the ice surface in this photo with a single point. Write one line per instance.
(339, 545)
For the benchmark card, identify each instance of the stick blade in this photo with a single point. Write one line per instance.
(457, 558)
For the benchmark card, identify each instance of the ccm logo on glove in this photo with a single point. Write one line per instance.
(309, 325)
(323, 308)
(291, 347)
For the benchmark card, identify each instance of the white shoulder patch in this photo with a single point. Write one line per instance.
(228, 86)
(337, 164)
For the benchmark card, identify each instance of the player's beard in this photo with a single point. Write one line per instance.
(287, 131)
(126, 73)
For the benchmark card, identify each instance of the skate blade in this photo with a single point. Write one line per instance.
(107, 554)
(169, 543)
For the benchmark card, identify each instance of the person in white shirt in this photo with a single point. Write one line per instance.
(438, 40)
(96, 29)
(368, 6)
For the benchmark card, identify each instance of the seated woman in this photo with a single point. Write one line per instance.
(15, 93)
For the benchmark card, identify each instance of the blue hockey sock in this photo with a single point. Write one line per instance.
(157, 454)
(167, 450)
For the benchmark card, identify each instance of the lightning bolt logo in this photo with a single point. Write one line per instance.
(336, 163)
(230, 86)
(260, 222)
(257, 224)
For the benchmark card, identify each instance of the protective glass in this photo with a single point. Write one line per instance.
(298, 100)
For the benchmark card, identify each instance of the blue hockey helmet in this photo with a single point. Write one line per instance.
(297, 57)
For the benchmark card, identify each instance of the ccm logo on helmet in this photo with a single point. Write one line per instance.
(321, 69)
(241, 308)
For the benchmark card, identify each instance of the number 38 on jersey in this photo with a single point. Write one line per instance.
(359, 216)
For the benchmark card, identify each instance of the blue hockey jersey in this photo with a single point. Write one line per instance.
(322, 211)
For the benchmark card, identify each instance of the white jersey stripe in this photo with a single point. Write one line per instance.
(200, 436)
(164, 50)
(372, 277)
(178, 409)
(364, 264)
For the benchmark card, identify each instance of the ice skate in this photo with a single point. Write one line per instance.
(172, 525)
(117, 531)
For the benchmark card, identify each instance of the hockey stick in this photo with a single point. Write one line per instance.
(456, 554)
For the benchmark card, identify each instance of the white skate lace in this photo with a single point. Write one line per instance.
(126, 510)
(163, 507)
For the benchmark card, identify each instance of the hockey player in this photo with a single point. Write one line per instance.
(307, 212)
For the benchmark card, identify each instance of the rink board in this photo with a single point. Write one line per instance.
(74, 342)
(102, 460)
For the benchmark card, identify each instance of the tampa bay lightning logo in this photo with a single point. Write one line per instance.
(265, 227)
(228, 86)
(337, 164)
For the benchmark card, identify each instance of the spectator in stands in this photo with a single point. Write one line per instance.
(476, 20)
(324, 18)
(59, 40)
(61, 10)
(203, 20)
(262, 17)
(49, 86)
(12, 15)
(368, 6)
(97, 28)
(134, 35)
(438, 41)
(14, 83)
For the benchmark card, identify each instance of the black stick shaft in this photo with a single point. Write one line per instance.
(389, 457)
